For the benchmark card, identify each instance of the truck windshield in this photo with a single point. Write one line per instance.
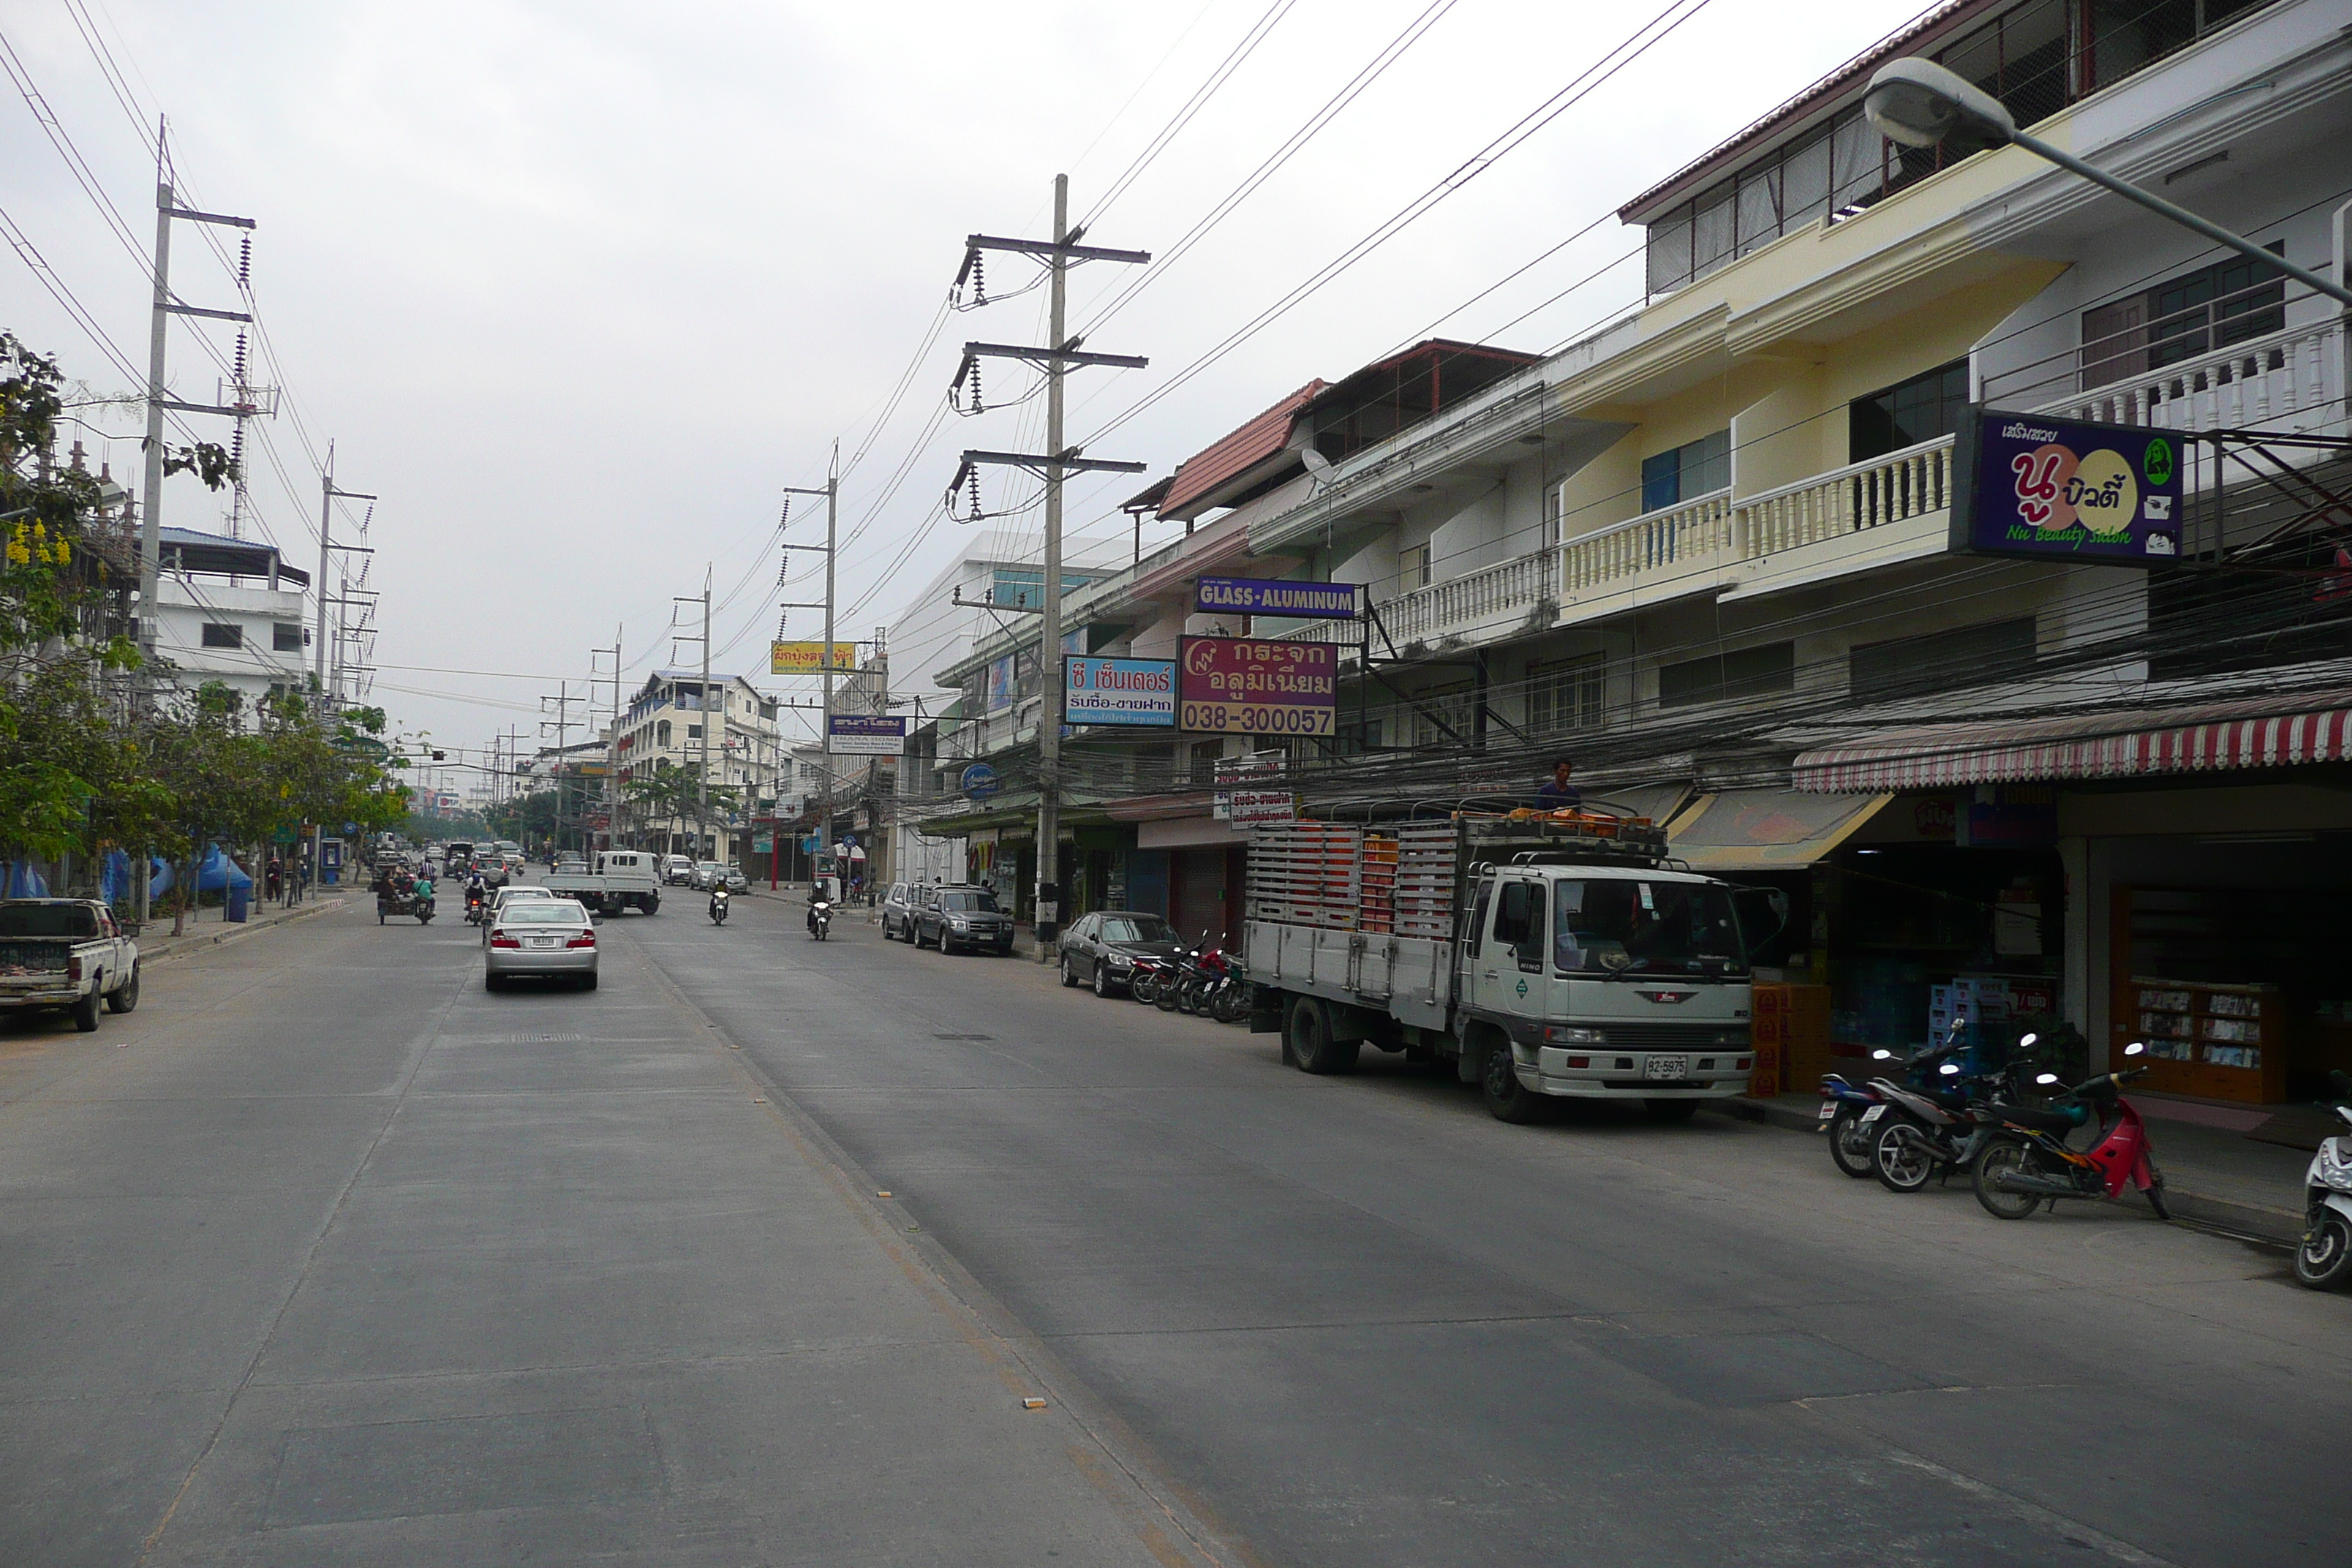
(1613, 927)
(48, 919)
(980, 898)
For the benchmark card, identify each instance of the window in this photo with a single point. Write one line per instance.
(694, 732)
(1478, 915)
(661, 734)
(1940, 661)
(223, 634)
(285, 638)
(1441, 709)
(1520, 922)
(1614, 927)
(2209, 309)
(1686, 472)
(1723, 678)
(1015, 589)
(1412, 567)
(1921, 409)
(1565, 695)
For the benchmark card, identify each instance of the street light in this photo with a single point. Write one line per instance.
(1919, 103)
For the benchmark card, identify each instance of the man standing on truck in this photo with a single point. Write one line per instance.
(1556, 793)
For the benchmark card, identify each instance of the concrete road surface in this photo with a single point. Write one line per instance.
(328, 1255)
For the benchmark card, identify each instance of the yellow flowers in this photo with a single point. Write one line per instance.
(28, 544)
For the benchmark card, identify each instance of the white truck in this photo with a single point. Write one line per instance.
(615, 880)
(66, 955)
(1549, 956)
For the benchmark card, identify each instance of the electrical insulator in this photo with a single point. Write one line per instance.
(244, 263)
(978, 279)
(975, 495)
(975, 387)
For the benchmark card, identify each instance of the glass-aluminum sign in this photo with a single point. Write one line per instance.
(1140, 693)
(1254, 686)
(868, 735)
(1268, 596)
(2060, 489)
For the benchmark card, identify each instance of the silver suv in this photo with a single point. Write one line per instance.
(898, 901)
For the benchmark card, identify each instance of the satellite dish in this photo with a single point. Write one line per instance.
(1318, 466)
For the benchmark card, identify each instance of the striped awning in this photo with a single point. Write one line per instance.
(2246, 732)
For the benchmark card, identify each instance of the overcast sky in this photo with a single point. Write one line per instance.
(576, 286)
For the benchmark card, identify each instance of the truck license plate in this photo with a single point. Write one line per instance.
(1829, 1110)
(1666, 1067)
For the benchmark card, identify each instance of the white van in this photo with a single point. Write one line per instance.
(620, 879)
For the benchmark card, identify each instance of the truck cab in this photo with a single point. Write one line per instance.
(1606, 981)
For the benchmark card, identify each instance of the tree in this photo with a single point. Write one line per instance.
(670, 795)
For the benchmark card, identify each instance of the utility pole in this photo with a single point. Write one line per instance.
(702, 781)
(328, 496)
(1054, 464)
(151, 537)
(564, 699)
(612, 745)
(832, 494)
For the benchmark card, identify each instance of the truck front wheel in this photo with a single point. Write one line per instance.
(1500, 1086)
(1308, 1043)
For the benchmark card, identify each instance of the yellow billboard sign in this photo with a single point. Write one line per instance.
(808, 658)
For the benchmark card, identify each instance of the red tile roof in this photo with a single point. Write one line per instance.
(1237, 453)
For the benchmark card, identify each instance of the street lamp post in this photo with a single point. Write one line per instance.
(1918, 103)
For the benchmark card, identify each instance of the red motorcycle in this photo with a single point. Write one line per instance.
(2027, 1163)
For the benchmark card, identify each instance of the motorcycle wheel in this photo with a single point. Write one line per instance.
(1144, 989)
(1231, 1003)
(2323, 1260)
(1166, 1000)
(1848, 1149)
(1901, 1157)
(2002, 1157)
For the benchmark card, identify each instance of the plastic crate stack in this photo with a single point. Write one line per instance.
(1425, 880)
(1305, 873)
(1377, 895)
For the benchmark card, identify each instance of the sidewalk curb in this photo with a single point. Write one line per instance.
(183, 946)
(2282, 1227)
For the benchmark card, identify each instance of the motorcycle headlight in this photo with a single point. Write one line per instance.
(2335, 1165)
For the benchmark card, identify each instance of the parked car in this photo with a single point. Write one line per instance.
(1100, 950)
(64, 955)
(899, 903)
(676, 870)
(955, 915)
(549, 937)
(711, 874)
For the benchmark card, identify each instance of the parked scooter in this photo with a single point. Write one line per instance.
(718, 911)
(1144, 980)
(2027, 1163)
(820, 917)
(2323, 1258)
(1921, 1133)
(1172, 987)
(1844, 1104)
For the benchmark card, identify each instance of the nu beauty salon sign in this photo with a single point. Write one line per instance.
(2060, 489)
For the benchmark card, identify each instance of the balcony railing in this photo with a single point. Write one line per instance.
(2294, 378)
(1861, 496)
(1674, 535)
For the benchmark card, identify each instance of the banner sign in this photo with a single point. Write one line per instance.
(1257, 808)
(1140, 692)
(978, 782)
(868, 735)
(2060, 489)
(1266, 596)
(1252, 686)
(808, 658)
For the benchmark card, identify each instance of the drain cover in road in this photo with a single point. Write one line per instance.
(963, 1037)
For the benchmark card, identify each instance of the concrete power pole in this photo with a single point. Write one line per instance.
(832, 494)
(612, 745)
(1055, 463)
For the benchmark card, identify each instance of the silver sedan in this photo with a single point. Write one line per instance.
(551, 937)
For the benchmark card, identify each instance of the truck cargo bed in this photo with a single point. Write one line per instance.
(1409, 978)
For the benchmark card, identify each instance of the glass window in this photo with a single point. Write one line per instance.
(966, 901)
(1686, 472)
(1136, 928)
(1613, 927)
(47, 920)
(1924, 408)
(285, 638)
(1745, 672)
(1565, 695)
(218, 634)
(544, 912)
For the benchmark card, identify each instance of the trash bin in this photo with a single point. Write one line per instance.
(241, 896)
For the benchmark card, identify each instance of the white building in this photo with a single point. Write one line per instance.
(230, 610)
(664, 724)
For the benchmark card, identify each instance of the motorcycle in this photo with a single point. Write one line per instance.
(478, 906)
(1144, 980)
(1844, 1107)
(1173, 984)
(2026, 1162)
(1920, 1132)
(404, 904)
(2323, 1258)
(718, 911)
(820, 917)
(1207, 984)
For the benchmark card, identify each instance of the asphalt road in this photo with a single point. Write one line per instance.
(328, 1255)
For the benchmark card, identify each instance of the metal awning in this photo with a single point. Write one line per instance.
(2250, 732)
(1767, 829)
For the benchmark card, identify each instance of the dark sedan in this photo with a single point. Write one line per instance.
(1100, 949)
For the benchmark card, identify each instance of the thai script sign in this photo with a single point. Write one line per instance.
(1251, 686)
(2062, 489)
(1140, 692)
(866, 735)
(1263, 597)
(808, 658)
(1257, 807)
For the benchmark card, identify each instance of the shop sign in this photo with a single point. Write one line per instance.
(1254, 686)
(867, 735)
(1260, 808)
(2064, 490)
(1934, 819)
(2010, 821)
(763, 844)
(978, 782)
(808, 658)
(1266, 596)
(1134, 692)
